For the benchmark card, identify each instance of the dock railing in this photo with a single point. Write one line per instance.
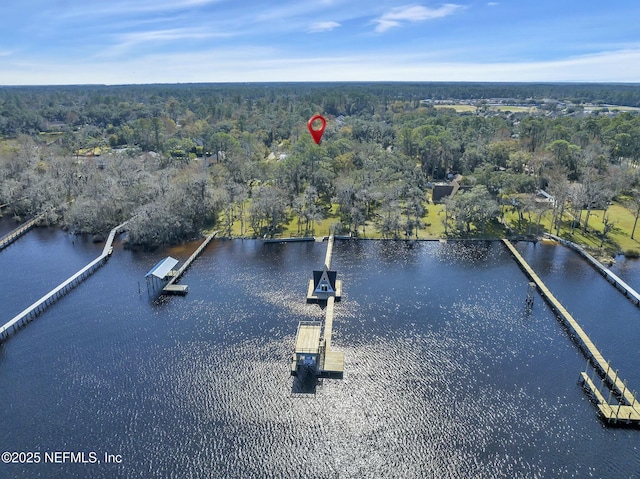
(43, 303)
(611, 277)
(10, 237)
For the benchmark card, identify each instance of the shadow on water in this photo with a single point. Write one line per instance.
(305, 385)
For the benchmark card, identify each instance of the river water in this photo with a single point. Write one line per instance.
(446, 373)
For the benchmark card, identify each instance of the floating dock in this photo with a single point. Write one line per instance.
(47, 300)
(627, 410)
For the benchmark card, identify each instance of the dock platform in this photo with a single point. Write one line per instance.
(627, 407)
(171, 287)
(176, 289)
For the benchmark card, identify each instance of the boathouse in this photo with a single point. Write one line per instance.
(306, 358)
(160, 273)
(323, 285)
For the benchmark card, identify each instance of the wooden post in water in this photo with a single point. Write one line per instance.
(531, 289)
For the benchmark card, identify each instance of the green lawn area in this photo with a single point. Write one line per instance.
(617, 240)
(515, 109)
(434, 228)
(458, 108)
(472, 108)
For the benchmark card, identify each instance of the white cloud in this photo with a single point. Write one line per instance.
(167, 35)
(120, 8)
(268, 64)
(318, 27)
(128, 41)
(413, 13)
(492, 4)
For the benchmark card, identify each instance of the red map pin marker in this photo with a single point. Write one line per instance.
(317, 134)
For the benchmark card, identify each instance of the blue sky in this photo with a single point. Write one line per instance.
(171, 41)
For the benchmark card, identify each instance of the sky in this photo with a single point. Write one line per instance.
(52, 42)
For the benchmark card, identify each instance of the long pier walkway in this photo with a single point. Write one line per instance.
(612, 278)
(332, 362)
(627, 410)
(310, 343)
(171, 287)
(329, 254)
(47, 300)
(10, 237)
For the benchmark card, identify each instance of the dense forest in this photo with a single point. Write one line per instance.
(179, 158)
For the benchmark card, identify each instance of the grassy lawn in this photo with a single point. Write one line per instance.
(434, 229)
(458, 108)
(617, 240)
(472, 108)
(515, 109)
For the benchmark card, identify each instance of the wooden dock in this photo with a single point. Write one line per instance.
(47, 300)
(329, 253)
(310, 344)
(10, 237)
(332, 362)
(612, 278)
(627, 411)
(289, 240)
(315, 295)
(171, 287)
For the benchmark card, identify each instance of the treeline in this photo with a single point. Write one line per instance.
(30, 110)
(179, 157)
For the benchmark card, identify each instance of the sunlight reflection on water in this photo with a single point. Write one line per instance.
(446, 373)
